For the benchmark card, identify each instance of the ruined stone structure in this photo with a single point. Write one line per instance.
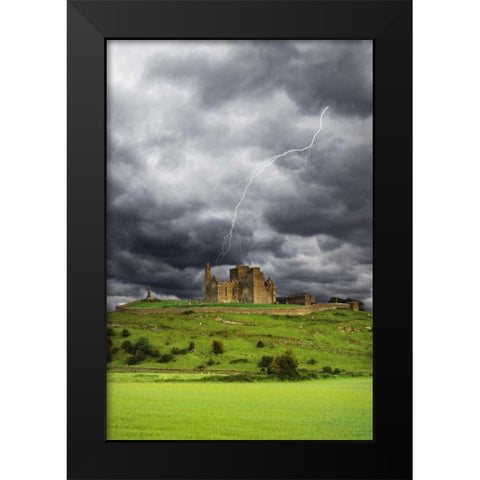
(149, 295)
(355, 305)
(297, 299)
(246, 285)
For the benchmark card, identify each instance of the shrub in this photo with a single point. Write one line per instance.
(142, 345)
(139, 355)
(165, 358)
(239, 360)
(327, 370)
(110, 332)
(336, 371)
(265, 362)
(125, 333)
(114, 349)
(127, 346)
(241, 377)
(188, 312)
(109, 342)
(312, 361)
(200, 367)
(131, 360)
(179, 351)
(191, 347)
(284, 366)
(109, 356)
(212, 362)
(155, 352)
(260, 344)
(217, 347)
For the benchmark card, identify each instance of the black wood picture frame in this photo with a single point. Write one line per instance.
(90, 23)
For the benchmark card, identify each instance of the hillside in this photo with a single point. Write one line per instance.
(340, 339)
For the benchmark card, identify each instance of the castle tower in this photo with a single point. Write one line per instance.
(246, 284)
(208, 282)
(271, 291)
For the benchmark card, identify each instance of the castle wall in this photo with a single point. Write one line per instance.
(260, 295)
(297, 299)
(225, 292)
(297, 311)
(239, 273)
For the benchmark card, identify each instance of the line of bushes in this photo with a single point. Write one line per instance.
(139, 350)
(283, 366)
(142, 348)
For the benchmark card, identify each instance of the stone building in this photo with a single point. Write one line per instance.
(297, 299)
(246, 285)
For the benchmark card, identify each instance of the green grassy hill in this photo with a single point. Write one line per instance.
(337, 338)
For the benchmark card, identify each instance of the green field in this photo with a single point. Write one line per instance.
(336, 338)
(194, 304)
(148, 401)
(145, 407)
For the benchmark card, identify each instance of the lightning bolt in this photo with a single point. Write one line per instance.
(227, 240)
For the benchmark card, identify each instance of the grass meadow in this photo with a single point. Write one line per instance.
(148, 401)
(146, 407)
(336, 338)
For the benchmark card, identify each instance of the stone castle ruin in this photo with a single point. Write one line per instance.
(297, 299)
(246, 285)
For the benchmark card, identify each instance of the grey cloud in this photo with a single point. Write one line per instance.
(336, 200)
(184, 128)
(338, 73)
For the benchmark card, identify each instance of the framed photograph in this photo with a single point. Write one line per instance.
(239, 239)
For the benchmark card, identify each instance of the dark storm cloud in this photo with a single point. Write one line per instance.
(324, 284)
(336, 200)
(132, 273)
(187, 121)
(335, 73)
(179, 243)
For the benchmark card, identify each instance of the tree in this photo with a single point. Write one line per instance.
(265, 362)
(285, 366)
(142, 345)
(217, 347)
(127, 346)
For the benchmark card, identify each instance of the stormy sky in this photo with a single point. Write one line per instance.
(189, 121)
